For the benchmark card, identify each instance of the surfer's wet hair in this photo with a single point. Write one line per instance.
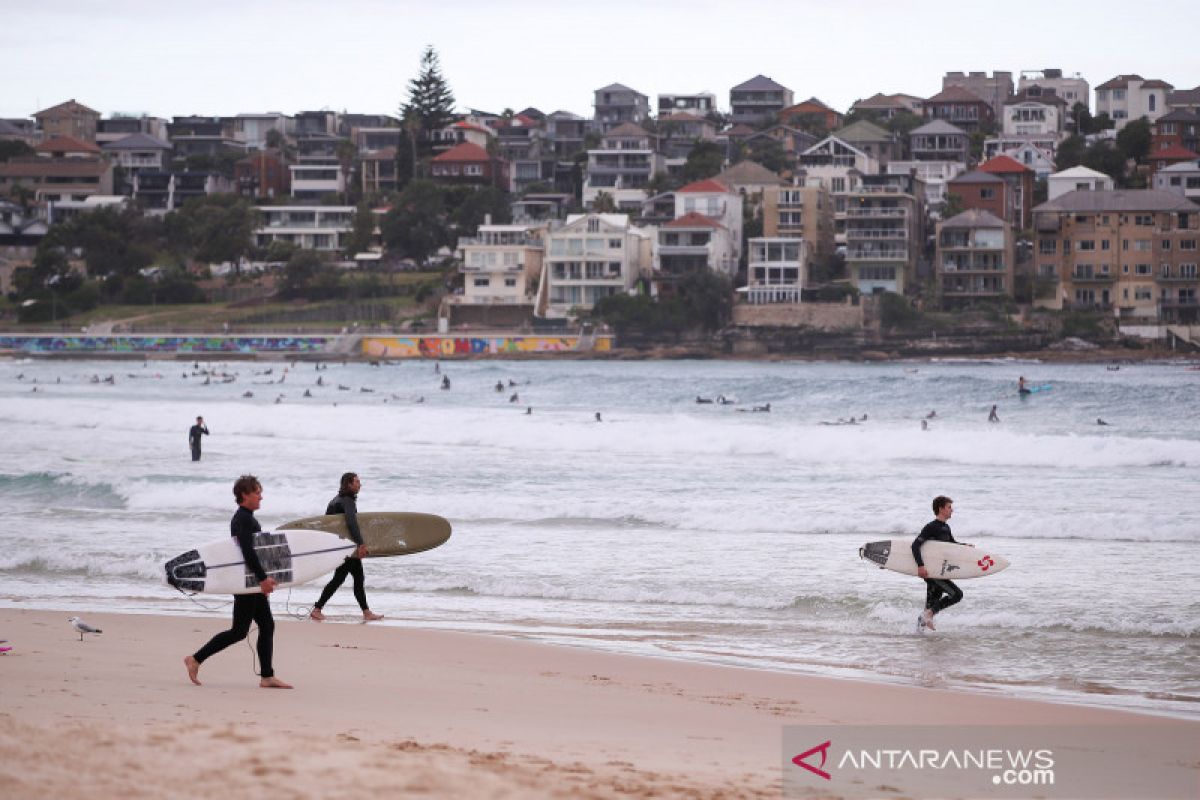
(347, 479)
(244, 486)
(940, 502)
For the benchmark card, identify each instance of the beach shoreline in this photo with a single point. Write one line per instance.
(430, 712)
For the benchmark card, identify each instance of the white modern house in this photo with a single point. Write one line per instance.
(1129, 97)
(314, 181)
(1072, 88)
(1077, 179)
(934, 176)
(1035, 113)
(775, 270)
(252, 129)
(309, 227)
(590, 257)
(1182, 178)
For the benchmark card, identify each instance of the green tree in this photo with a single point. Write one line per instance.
(213, 229)
(706, 299)
(302, 267)
(1081, 119)
(604, 203)
(362, 228)
(14, 148)
(1070, 153)
(1134, 140)
(1103, 156)
(770, 153)
(704, 161)
(476, 204)
(430, 100)
(416, 224)
(661, 182)
(903, 123)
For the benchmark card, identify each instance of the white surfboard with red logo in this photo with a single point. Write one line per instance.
(946, 560)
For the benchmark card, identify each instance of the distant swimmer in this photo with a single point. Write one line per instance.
(342, 388)
(194, 434)
(511, 382)
(365, 389)
(528, 410)
(1100, 421)
(763, 409)
(516, 397)
(248, 393)
(307, 393)
(445, 381)
(993, 416)
(499, 386)
(421, 399)
(931, 415)
(598, 417)
(1022, 386)
(703, 400)
(924, 425)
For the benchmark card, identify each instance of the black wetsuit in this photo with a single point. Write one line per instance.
(247, 608)
(347, 504)
(194, 434)
(940, 593)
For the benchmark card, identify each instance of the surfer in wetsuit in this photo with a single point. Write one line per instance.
(346, 503)
(1022, 387)
(194, 434)
(940, 593)
(247, 608)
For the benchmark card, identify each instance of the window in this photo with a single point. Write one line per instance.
(614, 244)
(510, 282)
(1164, 270)
(473, 169)
(1166, 244)
(1087, 245)
(482, 282)
(1104, 243)
(987, 194)
(1187, 244)
(1187, 271)
(1047, 247)
(1143, 245)
(1152, 101)
(1141, 293)
(1142, 269)
(1143, 219)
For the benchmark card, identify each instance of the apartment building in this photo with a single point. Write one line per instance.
(593, 256)
(704, 235)
(628, 157)
(801, 212)
(974, 260)
(935, 177)
(702, 104)
(501, 265)
(309, 227)
(961, 108)
(776, 270)
(68, 119)
(840, 167)
(1133, 253)
(885, 224)
(1020, 180)
(939, 141)
(1036, 112)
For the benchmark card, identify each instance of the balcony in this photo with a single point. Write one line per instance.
(1092, 278)
(875, 254)
(1177, 278)
(876, 233)
(881, 213)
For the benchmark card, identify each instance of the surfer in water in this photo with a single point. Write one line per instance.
(940, 594)
(194, 434)
(346, 503)
(247, 608)
(1022, 387)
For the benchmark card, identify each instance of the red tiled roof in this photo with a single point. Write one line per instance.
(740, 130)
(469, 127)
(1173, 153)
(693, 219)
(70, 105)
(1002, 164)
(680, 116)
(464, 152)
(66, 144)
(708, 186)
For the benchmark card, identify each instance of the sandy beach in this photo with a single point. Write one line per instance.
(418, 713)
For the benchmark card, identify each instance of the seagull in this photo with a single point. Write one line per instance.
(82, 627)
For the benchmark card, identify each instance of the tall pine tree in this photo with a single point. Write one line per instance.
(430, 100)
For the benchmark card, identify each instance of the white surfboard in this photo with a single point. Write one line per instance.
(946, 560)
(290, 557)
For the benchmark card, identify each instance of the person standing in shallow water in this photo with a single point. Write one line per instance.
(346, 503)
(247, 608)
(194, 434)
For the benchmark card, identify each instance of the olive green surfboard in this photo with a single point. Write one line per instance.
(386, 533)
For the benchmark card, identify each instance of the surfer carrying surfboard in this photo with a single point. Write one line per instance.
(247, 608)
(940, 593)
(346, 503)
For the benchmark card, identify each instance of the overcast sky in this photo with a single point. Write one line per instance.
(224, 57)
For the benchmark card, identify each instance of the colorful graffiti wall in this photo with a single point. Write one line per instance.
(450, 346)
(164, 344)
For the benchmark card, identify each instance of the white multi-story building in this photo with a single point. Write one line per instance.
(622, 167)
(500, 263)
(1071, 88)
(705, 235)
(1128, 97)
(700, 104)
(1035, 112)
(839, 166)
(934, 176)
(593, 256)
(1182, 178)
(775, 270)
(307, 227)
(252, 129)
(314, 181)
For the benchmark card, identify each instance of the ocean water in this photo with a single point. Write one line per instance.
(671, 528)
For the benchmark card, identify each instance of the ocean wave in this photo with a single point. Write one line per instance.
(56, 490)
